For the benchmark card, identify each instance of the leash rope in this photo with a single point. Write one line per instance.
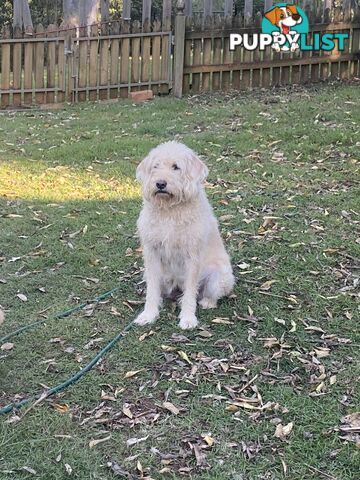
(74, 378)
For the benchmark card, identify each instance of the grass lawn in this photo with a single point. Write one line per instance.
(281, 355)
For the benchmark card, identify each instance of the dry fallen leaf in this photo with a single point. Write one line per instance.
(267, 285)
(7, 346)
(68, 469)
(171, 407)
(134, 441)
(350, 428)
(283, 431)
(322, 352)
(126, 411)
(209, 440)
(146, 335)
(222, 321)
(184, 356)
(93, 443)
(62, 408)
(2, 317)
(22, 297)
(132, 373)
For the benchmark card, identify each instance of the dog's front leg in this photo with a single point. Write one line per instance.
(187, 315)
(153, 288)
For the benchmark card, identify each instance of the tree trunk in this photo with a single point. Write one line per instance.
(22, 15)
(88, 12)
(71, 13)
(27, 21)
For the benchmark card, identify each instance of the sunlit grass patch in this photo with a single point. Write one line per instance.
(27, 179)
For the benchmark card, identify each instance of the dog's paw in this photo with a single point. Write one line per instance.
(206, 303)
(187, 322)
(144, 318)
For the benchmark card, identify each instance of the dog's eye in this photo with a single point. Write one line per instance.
(175, 167)
(282, 16)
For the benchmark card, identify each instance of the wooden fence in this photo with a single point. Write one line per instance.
(107, 61)
(100, 62)
(210, 65)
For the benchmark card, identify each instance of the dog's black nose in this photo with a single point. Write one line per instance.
(161, 184)
(296, 16)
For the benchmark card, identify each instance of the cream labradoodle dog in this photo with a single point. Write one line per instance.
(183, 249)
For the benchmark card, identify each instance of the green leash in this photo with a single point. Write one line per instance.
(61, 386)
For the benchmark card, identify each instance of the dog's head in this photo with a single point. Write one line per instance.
(171, 174)
(284, 17)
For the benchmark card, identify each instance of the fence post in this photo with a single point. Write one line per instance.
(179, 48)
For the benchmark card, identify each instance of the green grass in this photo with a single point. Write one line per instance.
(69, 204)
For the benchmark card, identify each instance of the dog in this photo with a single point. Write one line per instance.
(284, 18)
(182, 247)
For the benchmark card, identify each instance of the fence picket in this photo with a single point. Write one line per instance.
(104, 64)
(155, 57)
(236, 74)
(256, 56)
(51, 64)
(61, 69)
(135, 56)
(207, 55)
(28, 72)
(196, 77)
(83, 61)
(227, 58)
(39, 66)
(165, 55)
(217, 49)
(93, 62)
(17, 65)
(5, 68)
(187, 57)
(124, 62)
(114, 59)
(247, 57)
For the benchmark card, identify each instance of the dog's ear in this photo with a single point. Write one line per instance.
(273, 15)
(292, 8)
(141, 169)
(199, 168)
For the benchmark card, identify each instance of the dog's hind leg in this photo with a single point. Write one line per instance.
(217, 284)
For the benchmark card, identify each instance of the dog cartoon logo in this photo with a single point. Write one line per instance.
(285, 21)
